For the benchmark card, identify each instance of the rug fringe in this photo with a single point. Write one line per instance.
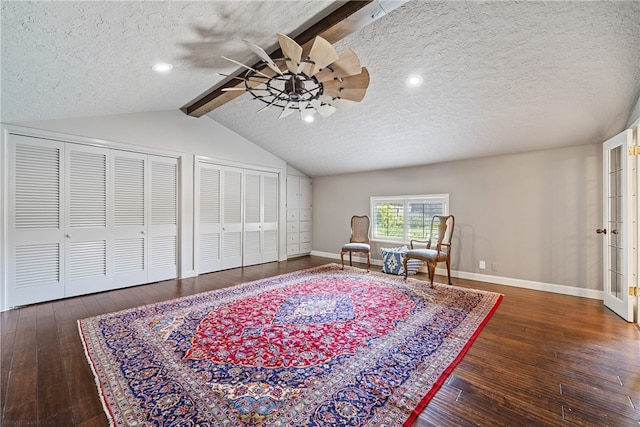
(105, 408)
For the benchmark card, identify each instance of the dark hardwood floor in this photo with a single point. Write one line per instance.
(543, 359)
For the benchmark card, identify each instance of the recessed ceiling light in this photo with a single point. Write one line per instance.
(414, 80)
(307, 114)
(162, 67)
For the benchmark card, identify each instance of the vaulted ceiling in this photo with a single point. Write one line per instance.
(499, 77)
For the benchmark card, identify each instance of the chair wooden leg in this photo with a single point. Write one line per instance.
(342, 259)
(449, 272)
(431, 267)
(350, 262)
(368, 261)
(404, 264)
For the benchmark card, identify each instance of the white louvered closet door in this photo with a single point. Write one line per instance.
(252, 250)
(129, 179)
(208, 203)
(270, 217)
(35, 234)
(88, 219)
(260, 217)
(231, 218)
(163, 226)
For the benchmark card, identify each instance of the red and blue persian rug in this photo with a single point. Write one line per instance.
(319, 347)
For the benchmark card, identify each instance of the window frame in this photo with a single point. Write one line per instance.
(406, 200)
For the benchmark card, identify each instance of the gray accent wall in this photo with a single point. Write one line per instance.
(533, 216)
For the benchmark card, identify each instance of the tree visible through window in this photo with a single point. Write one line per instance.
(404, 218)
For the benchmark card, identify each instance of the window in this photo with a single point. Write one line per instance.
(402, 218)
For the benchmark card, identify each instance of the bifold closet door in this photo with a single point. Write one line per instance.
(231, 242)
(208, 186)
(252, 236)
(130, 176)
(88, 220)
(260, 218)
(270, 218)
(236, 215)
(85, 219)
(35, 234)
(163, 222)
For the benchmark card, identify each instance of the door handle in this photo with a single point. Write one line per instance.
(614, 231)
(603, 231)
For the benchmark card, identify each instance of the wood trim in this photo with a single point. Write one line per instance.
(347, 19)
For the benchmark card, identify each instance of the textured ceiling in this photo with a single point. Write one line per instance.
(85, 58)
(500, 77)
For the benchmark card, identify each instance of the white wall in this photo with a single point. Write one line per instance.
(634, 118)
(177, 132)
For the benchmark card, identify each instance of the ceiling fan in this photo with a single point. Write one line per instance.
(319, 81)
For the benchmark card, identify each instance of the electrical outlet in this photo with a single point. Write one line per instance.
(494, 266)
(483, 265)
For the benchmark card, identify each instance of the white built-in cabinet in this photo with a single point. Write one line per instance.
(299, 195)
(84, 219)
(236, 216)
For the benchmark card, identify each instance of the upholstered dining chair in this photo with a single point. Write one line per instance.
(359, 241)
(437, 248)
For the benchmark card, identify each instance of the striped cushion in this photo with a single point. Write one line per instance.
(392, 259)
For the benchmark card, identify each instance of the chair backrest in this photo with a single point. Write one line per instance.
(359, 229)
(445, 231)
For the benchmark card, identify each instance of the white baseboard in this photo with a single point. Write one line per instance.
(498, 280)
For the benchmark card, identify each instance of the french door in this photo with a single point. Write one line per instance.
(620, 230)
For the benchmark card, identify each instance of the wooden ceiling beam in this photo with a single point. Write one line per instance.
(347, 19)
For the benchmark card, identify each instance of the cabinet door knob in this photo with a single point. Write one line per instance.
(68, 236)
(601, 231)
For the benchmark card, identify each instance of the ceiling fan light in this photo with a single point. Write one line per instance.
(308, 115)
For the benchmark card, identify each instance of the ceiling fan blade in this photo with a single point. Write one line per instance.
(347, 65)
(245, 66)
(359, 81)
(292, 50)
(263, 55)
(267, 106)
(322, 54)
(234, 89)
(249, 80)
(286, 111)
(326, 110)
(355, 95)
(352, 88)
(341, 104)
